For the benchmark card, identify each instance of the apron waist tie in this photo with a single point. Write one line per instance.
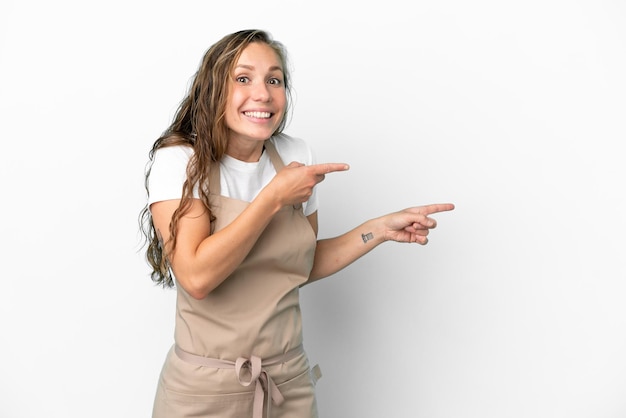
(255, 367)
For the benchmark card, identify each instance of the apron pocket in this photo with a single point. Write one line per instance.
(229, 405)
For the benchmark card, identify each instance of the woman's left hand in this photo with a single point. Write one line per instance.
(412, 224)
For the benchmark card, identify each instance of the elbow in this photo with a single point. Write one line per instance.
(198, 287)
(315, 275)
(197, 294)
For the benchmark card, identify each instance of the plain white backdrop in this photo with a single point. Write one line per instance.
(514, 111)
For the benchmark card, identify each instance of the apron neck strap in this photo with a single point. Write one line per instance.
(277, 162)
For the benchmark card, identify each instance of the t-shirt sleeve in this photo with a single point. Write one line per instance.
(168, 173)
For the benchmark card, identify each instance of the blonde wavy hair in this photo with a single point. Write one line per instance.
(199, 123)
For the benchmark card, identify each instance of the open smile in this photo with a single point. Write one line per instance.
(258, 115)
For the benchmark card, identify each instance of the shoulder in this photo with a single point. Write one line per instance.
(171, 159)
(168, 172)
(293, 148)
(173, 153)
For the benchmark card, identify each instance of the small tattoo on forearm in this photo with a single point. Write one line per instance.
(367, 237)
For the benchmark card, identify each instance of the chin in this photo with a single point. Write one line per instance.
(262, 136)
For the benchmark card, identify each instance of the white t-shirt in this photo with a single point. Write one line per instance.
(238, 179)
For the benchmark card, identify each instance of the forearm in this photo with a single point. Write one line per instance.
(334, 254)
(407, 225)
(219, 254)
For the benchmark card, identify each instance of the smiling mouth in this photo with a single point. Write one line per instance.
(258, 115)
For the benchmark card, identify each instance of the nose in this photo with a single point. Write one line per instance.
(261, 93)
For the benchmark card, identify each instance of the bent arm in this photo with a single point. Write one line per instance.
(201, 260)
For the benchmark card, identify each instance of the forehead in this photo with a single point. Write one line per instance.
(259, 55)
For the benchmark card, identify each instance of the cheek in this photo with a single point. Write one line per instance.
(234, 101)
(280, 99)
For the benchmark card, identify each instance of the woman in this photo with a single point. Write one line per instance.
(232, 213)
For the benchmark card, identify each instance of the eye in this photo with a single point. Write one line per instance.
(242, 79)
(275, 81)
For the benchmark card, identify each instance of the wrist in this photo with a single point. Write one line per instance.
(371, 232)
(269, 200)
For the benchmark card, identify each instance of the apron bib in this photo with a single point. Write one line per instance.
(238, 352)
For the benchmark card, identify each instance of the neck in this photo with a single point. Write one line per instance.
(249, 152)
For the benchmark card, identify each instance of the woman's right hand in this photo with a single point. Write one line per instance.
(294, 183)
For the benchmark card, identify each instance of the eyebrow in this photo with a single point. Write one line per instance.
(251, 67)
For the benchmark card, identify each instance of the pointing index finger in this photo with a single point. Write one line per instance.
(437, 207)
(329, 167)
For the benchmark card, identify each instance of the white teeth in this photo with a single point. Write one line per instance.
(261, 115)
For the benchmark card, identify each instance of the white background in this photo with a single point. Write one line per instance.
(514, 111)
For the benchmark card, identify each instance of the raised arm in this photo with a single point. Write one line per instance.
(408, 225)
(201, 261)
